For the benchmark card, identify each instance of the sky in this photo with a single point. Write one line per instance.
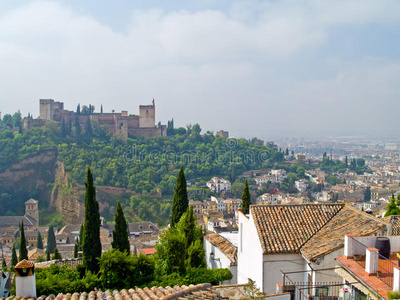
(254, 68)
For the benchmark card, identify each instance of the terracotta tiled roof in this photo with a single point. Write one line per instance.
(148, 251)
(285, 228)
(193, 292)
(224, 246)
(24, 264)
(331, 236)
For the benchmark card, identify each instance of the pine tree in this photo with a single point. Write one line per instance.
(120, 233)
(56, 254)
(39, 241)
(91, 246)
(246, 200)
(23, 252)
(51, 240)
(180, 202)
(14, 259)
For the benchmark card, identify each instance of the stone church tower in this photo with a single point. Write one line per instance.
(32, 209)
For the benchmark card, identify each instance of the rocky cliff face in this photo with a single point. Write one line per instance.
(45, 175)
(33, 173)
(67, 199)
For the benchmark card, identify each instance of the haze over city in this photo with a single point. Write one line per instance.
(254, 68)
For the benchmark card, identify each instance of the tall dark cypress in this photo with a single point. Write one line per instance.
(14, 259)
(51, 240)
(23, 252)
(180, 202)
(91, 245)
(120, 233)
(246, 200)
(39, 241)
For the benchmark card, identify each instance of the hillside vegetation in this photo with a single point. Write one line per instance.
(146, 166)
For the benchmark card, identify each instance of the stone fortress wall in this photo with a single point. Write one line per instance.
(118, 123)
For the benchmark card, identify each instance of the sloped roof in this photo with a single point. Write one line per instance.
(224, 246)
(31, 201)
(331, 236)
(200, 291)
(286, 228)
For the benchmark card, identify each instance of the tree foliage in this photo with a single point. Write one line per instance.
(14, 259)
(23, 252)
(246, 199)
(120, 233)
(180, 248)
(56, 254)
(51, 240)
(180, 202)
(392, 208)
(91, 246)
(39, 241)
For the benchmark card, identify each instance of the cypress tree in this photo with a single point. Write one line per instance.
(246, 200)
(51, 240)
(120, 233)
(4, 265)
(14, 259)
(91, 246)
(101, 109)
(76, 249)
(56, 254)
(88, 129)
(80, 239)
(180, 202)
(23, 252)
(39, 241)
(47, 255)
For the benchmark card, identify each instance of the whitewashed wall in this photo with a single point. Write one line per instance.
(250, 257)
(223, 262)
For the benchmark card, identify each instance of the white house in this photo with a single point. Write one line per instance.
(299, 238)
(301, 185)
(221, 252)
(218, 185)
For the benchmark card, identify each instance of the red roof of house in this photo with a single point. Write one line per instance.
(148, 251)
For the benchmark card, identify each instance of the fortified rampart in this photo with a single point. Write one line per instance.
(118, 123)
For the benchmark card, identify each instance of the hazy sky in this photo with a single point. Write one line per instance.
(254, 68)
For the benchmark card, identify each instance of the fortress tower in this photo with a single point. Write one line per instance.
(147, 115)
(46, 109)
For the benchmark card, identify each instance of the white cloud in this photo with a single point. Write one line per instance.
(221, 69)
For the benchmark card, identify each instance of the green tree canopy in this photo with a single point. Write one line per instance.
(56, 254)
(91, 246)
(51, 240)
(180, 202)
(246, 199)
(39, 241)
(392, 208)
(14, 259)
(23, 252)
(120, 233)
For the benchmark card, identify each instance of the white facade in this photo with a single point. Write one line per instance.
(301, 185)
(220, 261)
(218, 185)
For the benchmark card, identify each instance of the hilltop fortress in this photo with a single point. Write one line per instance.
(118, 123)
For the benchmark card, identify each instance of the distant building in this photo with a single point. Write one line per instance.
(218, 185)
(301, 185)
(118, 123)
(224, 134)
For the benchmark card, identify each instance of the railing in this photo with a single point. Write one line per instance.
(385, 270)
(361, 250)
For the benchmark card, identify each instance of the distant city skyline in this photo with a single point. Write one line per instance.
(254, 68)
